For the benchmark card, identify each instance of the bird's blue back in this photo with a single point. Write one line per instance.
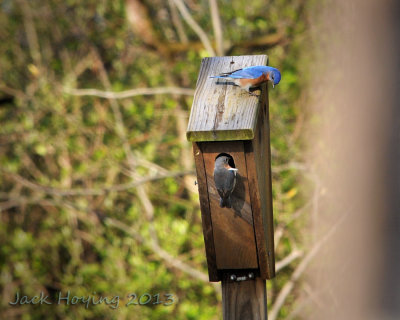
(253, 73)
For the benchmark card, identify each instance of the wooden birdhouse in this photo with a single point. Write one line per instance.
(227, 120)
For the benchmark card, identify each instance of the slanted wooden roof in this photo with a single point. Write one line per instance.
(220, 110)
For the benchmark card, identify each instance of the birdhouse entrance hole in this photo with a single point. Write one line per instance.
(231, 162)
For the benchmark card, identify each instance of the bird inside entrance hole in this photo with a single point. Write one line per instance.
(225, 180)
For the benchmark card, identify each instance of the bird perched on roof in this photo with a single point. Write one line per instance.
(225, 180)
(252, 77)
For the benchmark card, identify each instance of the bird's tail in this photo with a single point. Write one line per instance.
(224, 76)
(225, 202)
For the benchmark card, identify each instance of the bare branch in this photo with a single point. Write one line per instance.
(196, 28)
(288, 260)
(216, 21)
(97, 191)
(176, 263)
(269, 41)
(31, 34)
(293, 165)
(186, 159)
(278, 233)
(142, 25)
(168, 258)
(177, 22)
(266, 41)
(288, 287)
(17, 202)
(129, 93)
(12, 92)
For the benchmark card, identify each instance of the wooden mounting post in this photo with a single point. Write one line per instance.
(239, 240)
(244, 300)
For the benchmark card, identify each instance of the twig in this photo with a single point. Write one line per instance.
(289, 166)
(142, 25)
(288, 260)
(278, 233)
(171, 260)
(93, 192)
(186, 159)
(177, 22)
(287, 288)
(31, 34)
(196, 28)
(129, 93)
(12, 92)
(322, 290)
(216, 21)
(17, 202)
(176, 263)
(315, 204)
(313, 296)
(267, 41)
(263, 42)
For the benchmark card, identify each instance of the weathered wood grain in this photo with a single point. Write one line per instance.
(205, 214)
(258, 161)
(245, 300)
(220, 110)
(233, 233)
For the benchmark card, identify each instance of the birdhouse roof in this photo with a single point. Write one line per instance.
(220, 110)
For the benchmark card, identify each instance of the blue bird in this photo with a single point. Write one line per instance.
(252, 77)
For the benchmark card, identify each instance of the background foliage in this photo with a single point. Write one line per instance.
(97, 194)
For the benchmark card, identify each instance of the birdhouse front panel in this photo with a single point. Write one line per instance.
(233, 232)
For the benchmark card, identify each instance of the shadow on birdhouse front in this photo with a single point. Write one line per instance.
(238, 201)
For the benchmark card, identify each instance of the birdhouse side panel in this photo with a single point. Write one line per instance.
(258, 161)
